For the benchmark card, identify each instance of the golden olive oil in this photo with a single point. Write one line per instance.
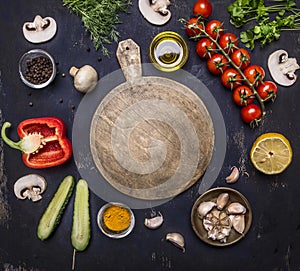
(168, 51)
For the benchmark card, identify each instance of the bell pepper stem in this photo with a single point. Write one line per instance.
(9, 142)
(31, 143)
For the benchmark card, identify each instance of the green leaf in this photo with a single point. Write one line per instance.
(100, 18)
(256, 29)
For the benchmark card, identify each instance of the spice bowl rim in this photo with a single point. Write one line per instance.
(109, 233)
(30, 55)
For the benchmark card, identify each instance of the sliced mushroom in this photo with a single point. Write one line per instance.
(155, 11)
(40, 30)
(30, 186)
(282, 68)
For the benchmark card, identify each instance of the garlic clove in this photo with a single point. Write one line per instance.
(176, 239)
(222, 200)
(205, 207)
(154, 222)
(235, 208)
(234, 175)
(238, 222)
(208, 224)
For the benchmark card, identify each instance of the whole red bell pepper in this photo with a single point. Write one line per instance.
(43, 142)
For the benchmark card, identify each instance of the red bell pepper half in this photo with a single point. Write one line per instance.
(43, 142)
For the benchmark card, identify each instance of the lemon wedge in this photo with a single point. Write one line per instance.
(271, 153)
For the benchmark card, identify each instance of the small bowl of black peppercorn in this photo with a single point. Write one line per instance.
(37, 68)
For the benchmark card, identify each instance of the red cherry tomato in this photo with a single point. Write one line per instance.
(214, 28)
(228, 42)
(205, 48)
(202, 8)
(255, 74)
(250, 113)
(231, 78)
(241, 58)
(193, 27)
(217, 64)
(267, 90)
(242, 95)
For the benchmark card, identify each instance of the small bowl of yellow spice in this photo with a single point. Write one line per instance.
(115, 220)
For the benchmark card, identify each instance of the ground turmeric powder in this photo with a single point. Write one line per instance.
(116, 218)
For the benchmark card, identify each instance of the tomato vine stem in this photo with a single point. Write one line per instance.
(202, 33)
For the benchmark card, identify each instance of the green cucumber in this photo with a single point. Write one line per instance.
(51, 217)
(81, 231)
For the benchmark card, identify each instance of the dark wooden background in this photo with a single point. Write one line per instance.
(273, 242)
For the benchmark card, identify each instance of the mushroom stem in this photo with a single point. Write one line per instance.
(73, 71)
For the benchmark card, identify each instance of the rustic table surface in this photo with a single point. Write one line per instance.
(273, 241)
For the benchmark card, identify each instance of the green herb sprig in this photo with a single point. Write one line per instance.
(284, 13)
(100, 18)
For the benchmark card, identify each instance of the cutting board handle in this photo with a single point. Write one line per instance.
(129, 57)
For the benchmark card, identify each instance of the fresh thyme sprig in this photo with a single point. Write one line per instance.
(100, 18)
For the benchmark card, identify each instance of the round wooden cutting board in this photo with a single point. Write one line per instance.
(151, 138)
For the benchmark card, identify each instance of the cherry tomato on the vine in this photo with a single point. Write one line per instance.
(242, 95)
(193, 27)
(205, 48)
(267, 90)
(231, 78)
(214, 28)
(202, 8)
(255, 74)
(250, 113)
(241, 58)
(229, 42)
(217, 64)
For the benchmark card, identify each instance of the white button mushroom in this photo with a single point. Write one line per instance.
(85, 78)
(30, 186)
(155, 11)
(40, 30)
(282, 68)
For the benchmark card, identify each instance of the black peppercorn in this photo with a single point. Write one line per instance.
(39, 70)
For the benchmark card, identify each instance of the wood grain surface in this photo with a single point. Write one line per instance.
(151, 138)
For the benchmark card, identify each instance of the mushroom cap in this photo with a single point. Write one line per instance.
(152, 16)
(30, 186)
(85, 78)
(36, 32)
(280, 71)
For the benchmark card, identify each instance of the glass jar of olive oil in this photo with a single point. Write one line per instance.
(168, 51)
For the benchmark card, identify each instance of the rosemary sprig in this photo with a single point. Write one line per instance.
(100, 18)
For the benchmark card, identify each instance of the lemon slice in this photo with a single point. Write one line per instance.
(271, 153)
